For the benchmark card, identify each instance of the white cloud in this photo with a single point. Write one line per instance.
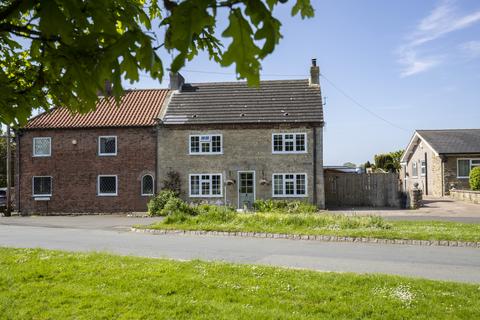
(413, 64)
(443, 20)
(471, 48)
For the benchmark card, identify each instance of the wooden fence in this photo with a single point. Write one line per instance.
(362, 190)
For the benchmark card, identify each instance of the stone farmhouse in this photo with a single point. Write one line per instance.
(226, 142)
(439, 160)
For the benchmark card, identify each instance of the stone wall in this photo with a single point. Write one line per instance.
(466, 195)
(244, 149)
(451, 180)
(74, 169)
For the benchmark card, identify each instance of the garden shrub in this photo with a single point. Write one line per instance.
(177, 205)
(474, 179)
(156, 205)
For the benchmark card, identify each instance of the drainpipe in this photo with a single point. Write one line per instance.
(17, 170)
(426, 174)
(442, 166)
(314, 153)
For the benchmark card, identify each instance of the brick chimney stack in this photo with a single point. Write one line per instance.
(314, 73)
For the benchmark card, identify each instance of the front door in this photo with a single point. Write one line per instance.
(246, 189)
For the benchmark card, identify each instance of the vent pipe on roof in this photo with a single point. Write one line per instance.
(176, 81)
(314, 73)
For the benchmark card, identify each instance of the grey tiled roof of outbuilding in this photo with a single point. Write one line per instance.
(277, 101)
(453, 141)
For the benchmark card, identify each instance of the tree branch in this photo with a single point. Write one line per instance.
(5, 13)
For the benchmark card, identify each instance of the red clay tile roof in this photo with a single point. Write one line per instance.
(137, 108)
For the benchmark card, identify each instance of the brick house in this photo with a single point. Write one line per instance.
(440, 159)
(227, 142)
(102, 161)
(234, 144)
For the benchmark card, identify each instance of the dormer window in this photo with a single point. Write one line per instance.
(107, 146)
(206, 144)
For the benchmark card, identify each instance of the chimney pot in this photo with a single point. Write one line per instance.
(314, 73)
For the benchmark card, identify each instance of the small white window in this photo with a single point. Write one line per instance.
(206, 144)
(147, 185)
(107, 185)
(107, 146)
(42, 186)
(289, 185)
(414, 170)
(423, 168)
(464, 166)
(42, 147)
(206, 185)
(289, 143)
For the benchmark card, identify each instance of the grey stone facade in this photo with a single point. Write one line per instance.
(245, 148)
(430, 182)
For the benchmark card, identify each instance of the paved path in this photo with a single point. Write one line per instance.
(440, 209)
(445, 263)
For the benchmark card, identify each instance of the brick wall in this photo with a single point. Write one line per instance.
(75, 167)
(244, 149)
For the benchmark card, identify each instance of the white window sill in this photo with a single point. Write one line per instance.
(290, 196)
(463, 177)
(41, 156)
(206, 196)
(107, 154)
(289, 152)
(205, 153)
(107, 195)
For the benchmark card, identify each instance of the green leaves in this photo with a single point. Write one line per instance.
(69, 48)
(242, 51)
(303, 7)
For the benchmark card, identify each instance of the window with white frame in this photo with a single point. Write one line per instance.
(107, 146)
(289, 185)
(206, 185)
(42, 147)
(42, 186)
(147, 185)
(206, 144)
(414, 169)
(289, 143)
(464, 166)
(423, 168)
(107, 185)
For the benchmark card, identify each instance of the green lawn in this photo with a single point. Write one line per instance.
(321, 224)
(41, 284)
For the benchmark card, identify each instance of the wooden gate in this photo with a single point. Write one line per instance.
(362, 190)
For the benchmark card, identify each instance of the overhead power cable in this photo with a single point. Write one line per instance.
(349, 97)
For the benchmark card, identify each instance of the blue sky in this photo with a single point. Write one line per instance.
(414, 63)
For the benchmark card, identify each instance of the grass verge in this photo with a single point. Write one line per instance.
(320, 224)
(42, 284)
